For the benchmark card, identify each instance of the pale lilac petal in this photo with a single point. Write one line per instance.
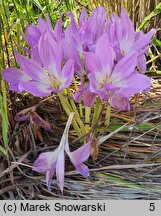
(73, 24)
(33, 35)
(49, 176)
(105, 53)
(124, 67)
(93, 62)
(59, 57)
(145, 50)
(89, 98)
(48, 21)
(96, 21)
(67, 74)
(141, 63)
(51, 53)
(71, 52)
(13, 76)
(97, 84)
(44, 26)
(118, 32)
(83, 17)
(85, 94)
(110, 30)
(128, 27)
(80, 155)
(31, 68)
(125, 48)
(118, 102)
(60, 170)
(47, 49)
(35, 55)
(139, 35)
(133, 84)
(144, 40)
(83, 170)
(98, 13)
(78, 95)
(36, 88)
(45, 162)
(58, 33)
(109, 87)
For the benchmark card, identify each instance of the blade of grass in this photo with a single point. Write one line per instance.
(155, 12)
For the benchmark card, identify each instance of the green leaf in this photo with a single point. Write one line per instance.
(37, 3)
(3, 150)
(155, 12)
(156, 42)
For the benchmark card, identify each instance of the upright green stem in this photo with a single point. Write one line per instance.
(77, 116)
(87, 114)
(68, 110)
(80, 110)
(4, 116)
(69, 106)
(97, 110)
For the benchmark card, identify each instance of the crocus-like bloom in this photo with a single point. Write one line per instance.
(33, 35)
(54, 162)
(125, 40)
(79, 38)
(117, 82)
(83, 36)
(37, 80)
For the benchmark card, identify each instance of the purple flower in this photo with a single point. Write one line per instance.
(83, 36)
(37, 80)
(33, 35)
(117, 82)
(54, 162)
(79, 38)
(125, 40)
(84, 93)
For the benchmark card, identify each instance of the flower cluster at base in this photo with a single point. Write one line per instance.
(107, 55)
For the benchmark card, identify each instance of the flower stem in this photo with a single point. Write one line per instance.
(108, 115)
(80, 110)
(87, 114)
(97, 110)
(77, 116)
(68, 110)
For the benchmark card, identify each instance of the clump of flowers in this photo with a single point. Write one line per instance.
(106, 57)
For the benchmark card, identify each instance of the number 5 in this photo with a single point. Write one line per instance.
(152, 206)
